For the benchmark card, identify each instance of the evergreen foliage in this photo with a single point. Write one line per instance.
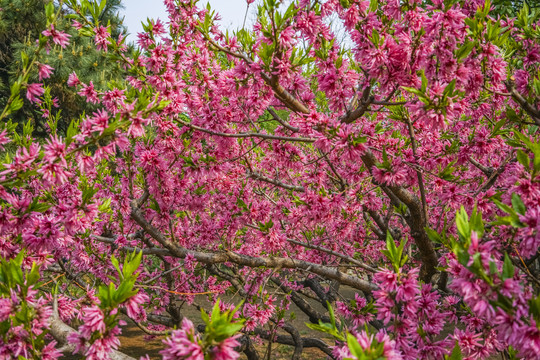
(21, 22)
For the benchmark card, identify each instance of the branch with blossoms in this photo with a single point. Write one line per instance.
(280, 165)
(223, 257)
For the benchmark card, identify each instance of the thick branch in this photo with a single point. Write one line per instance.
(418, 173)
(488, 171)
(146, 251)
(313, 315)
(529, 109)
(60, 331)
(416, 220)
(381, 224)
(298, 343)
(288, 340)
(365, 101)
(250, 261)
(493, 178)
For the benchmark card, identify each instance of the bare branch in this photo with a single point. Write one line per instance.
(146, 251)
(365, 101)
(529, 109)
(281, 121)
(488, 171)
(418, 173)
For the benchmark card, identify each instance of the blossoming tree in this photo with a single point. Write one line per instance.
(282, 165)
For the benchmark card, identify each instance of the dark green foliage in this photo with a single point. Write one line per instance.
(512, 7)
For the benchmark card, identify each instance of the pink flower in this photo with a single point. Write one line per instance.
(102, 37)
(100, 121)
(4, 139)
(134, 308)
(77, 25)
(45, 71)
(6, 309)
(54, 173)
(136, 128)
(49, 352)
(183, 344)
(225, 350)
(73, 80)
(58, 37)
(93, 320)
(467, 340)
(33, 92)
(55, 149)
(90, 93)
(394, 177)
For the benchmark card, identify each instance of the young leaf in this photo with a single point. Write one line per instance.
(456, 353)
(508, 268)
(518, 204)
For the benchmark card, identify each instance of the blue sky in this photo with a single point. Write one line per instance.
(231, 11)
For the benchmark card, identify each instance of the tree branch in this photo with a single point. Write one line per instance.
(60, 332)
(247, 135)
(257, 176)
(416, 220)
(250, 261)
(331, 252)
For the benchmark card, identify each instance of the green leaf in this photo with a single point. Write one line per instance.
(215, 311)
(424, 81)
(456, 353)
(205, 317)
(49, 11)
(464, 50)
(534, 308)
(375, 38)
(391, 249)
(449, 89)
(518, 204)
(523, 159)
(332, 315)
(507, 209)
(433, 235)
(414, 91)
(116, 264)
(33, 276)
(497, 127)
(476, 223)
(15, 88)
(462, 223)
(86, 32)
(25, 59)
(131, 265)
(508, 268)
(327, 329)
(16, 103)
(354, 347)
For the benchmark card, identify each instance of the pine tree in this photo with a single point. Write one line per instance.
(21, 22)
